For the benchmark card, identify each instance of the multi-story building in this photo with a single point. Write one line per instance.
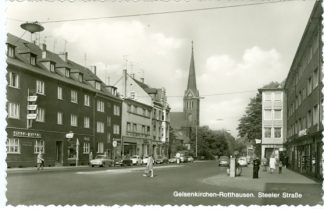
(273, 125)
(304, 100)
(57, 107)
(145, 126)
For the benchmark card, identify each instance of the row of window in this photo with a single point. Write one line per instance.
(275, 114)
(312, 83)
(312, 118)
(14, 147)
(275, 132)
(133, 127)
(272, 96)
(138, 110)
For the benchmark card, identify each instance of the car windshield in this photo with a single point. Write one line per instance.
(223, 158)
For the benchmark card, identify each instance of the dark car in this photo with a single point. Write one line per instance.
(223, 161)
(160, 160)
(123, 162)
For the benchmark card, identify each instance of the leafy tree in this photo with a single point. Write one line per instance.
(174, 144)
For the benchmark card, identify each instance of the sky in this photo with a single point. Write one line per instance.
(237, 49)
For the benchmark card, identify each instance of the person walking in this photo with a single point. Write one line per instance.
(280, 166)
(256, 167)
(90, 157)
(149, 167)
(272, 163)
(264, 164)
(40, 161)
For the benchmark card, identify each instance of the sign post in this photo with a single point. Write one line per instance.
(77, 152)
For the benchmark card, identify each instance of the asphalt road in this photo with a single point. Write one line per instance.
(109, 186)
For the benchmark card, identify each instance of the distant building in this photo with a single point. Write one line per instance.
(57, 107)
(145, 126)
(304, 100)
(272, 122)
(185, 122)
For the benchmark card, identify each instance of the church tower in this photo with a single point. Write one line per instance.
(191, 102)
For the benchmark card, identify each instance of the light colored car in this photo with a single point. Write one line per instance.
(242, 161)
(161, 159)
(223, 161)
(172, 160)
(101, 161)
(137, 160)
(145, 159)
(190, 159)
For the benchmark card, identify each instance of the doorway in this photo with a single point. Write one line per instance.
(59, 153)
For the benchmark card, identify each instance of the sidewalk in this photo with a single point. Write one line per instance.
(246, 180)
(33, 169)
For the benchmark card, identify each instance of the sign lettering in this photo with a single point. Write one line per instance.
(26, 134)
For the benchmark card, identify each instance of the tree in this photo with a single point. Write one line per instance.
(174, 144)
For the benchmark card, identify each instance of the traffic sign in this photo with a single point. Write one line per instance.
(114, 143)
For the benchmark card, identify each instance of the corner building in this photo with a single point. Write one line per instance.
(304, 101)
(57, 107)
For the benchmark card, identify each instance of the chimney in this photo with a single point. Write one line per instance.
(95, 70)
(44, 47)
(64, 56)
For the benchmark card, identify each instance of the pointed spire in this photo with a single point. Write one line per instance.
(192, 74)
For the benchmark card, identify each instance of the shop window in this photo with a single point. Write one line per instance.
(39, 146)
(71, 145)
(13, 146)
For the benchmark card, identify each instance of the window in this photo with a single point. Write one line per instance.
(98, 86)
(86, 122)
(10, 50)
(32, 59)
(143, 129)
(13, 146)
(267, 115)
(86, 100)
(132, 94)
(315, 78)
(13, 80)
(40, 87)
(40, 115)
(309, 118)
(39, 146)
(277, 132)
(108, 121)
(52, 67)
(267, 96)
(315, 115)
(128, 127)
(277, 114)
(59, 118)
(310, 87)
(74, 120)
(116, 129)
(86, 148)
(100, 127)
(74, 96)
(116, 110)
(100, 106)
(134, 127)
(267, 132)
(100, 147)
(59, 93)
(67, 72)
(148, 130)
(80, 78)
(13, 110)
(108, 137)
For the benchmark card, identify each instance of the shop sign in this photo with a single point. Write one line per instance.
(32, 98)
(258, 141)
(26, 134)
(69, 135)
(31, 116)
(31, 107)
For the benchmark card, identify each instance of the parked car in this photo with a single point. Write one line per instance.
(242, 161)
(137, 160)
(123, 162)
(183, 158)
(172, 160)
(101, 161)
(190, 159)
(161, 159)
(223, 161)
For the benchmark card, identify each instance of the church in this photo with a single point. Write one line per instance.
(185, 123)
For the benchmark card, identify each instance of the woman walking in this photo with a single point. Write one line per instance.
(40, 161)
(272, 163)
(149, 167)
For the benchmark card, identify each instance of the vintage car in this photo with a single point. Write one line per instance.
(101, 161)
(223, 161)
(123, 162)
(136, 159)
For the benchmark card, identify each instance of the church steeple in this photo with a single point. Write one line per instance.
(192, 74)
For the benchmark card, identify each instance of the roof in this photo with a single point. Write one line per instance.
(177, 119)
(23, 46)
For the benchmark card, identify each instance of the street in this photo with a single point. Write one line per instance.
(109, 186)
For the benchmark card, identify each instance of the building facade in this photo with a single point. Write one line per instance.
(146, 118)
(57, 107)
(304, 101)
(273, 126)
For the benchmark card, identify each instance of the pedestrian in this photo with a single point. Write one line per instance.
(178, 157)
(264, 164)
(40, 161)
(280, 167)
(256, 167)
(90, 157)
(149, 167)
(272, 163)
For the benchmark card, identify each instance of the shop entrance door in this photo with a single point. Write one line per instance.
(59, 153)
